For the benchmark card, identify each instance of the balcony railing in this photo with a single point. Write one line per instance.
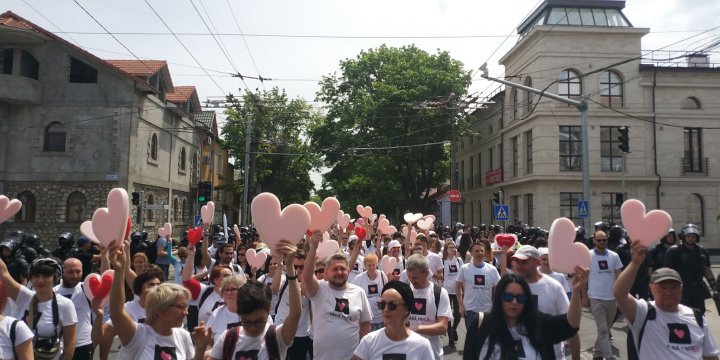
(693, 167)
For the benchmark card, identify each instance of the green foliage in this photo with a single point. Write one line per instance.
(389, 97)
(283, 157)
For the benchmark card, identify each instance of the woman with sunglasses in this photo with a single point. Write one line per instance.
(395, 338)
(515, 329)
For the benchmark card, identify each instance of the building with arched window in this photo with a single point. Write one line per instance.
(589, 48)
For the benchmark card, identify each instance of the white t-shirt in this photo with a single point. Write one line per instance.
(436, 265)
(146, 344)
(356, 269)
(452, 268)
(212, 302)
(562, 279)
(672, 335)
(524, 349)
(267, 279)
(373, 290)
(179, 265)
(551, 299)
(304, 327)
(340, 312)
(377, 346)
(136, 312)
(478, 284)
(424, 312)
(399, 266)
(602, 274)
(250, 347)
(45, 326)
(22, 334)
(83, 330)
(221, 320)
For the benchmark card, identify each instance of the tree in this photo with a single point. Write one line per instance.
(282, 156)
(394, 101)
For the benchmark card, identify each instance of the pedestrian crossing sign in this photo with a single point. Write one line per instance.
(501, 212)
(583, 208)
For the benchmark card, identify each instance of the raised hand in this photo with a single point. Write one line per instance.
(117, 255)
(637, 251)
(201, 336)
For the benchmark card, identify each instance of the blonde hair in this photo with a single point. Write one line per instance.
(237, 280)
(160, 298)
(372, 257)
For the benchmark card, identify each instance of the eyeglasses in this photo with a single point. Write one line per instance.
(182, 307)
(299, 267)
(319, 271)
(230, 290)
(600, 239)
(241, 254)
(508, 297)
(391, 305)
(248, 324)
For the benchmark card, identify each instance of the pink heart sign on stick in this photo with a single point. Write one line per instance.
(236, 230)
(86, 229)
(645, 227)
(274, 225)
(165, 231)
(8, 208)
(388, 264)
(109, 223)
(411, 218)
(424, 224)
(97, 286)
(409, 236)
(565, 254)
(207, 212)
(327, 248)
(364, 211)
(255, 259)
(506, 240)
(384, 227)
(343, 219)
(321, 218)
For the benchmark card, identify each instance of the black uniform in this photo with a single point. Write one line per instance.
(690, 262)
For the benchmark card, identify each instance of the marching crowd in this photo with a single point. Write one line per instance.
(378, 297)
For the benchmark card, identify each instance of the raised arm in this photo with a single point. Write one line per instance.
(310, 282)
(291, 321)
(277, 276)
(621, 291)
(205, 244)
(123, 324)
(189, 263)
(580, 280)
(11, 286)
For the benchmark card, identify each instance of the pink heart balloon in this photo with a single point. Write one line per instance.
(86, 229)
(411, 218)
(165, 231)
(409, 237)
(645, 227)
(424, 224)
(382, 216)
(321, 218)
(364, 211)
(327, 248)
(98, 285)
(207, 212)
(236, 230)
(255, 259)
(429, 217)
(109, 224)
(388, 264)
(274, 225)
(343, 219)
(565, 254)
(8, 208)
(384, 227)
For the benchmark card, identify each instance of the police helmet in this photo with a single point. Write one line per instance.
(65, 240)
(10, 243)
(616, 232)
(690, 229)
(579, 232)
(31, 240)
(601, 225)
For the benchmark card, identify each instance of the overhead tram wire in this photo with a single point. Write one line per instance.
(252, 58)
(212, 23)
(51, 23)
(185, 47)
(222, 50)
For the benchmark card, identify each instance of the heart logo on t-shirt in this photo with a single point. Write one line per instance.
(479, 279)
(452, 268)
(602, 264)
(342, 305)
(394, 357)
(165, 353)
(519, 349)
(247, 355)
(396, 272)
(355, 268)
(679, 333)
(419, 307)
(372, 289)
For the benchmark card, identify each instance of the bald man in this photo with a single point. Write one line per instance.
(72, 288)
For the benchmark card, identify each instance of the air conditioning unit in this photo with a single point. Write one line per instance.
(206, 159)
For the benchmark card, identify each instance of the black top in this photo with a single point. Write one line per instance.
(689, 262)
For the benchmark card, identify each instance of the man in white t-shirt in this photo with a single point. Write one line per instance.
(340, 311)
(475, 284)
(605, 266)
(72, 288)
(669, 329)
(434, 260)
(429, 316)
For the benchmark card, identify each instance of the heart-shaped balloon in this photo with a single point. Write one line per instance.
(86, 229)
(388, 264)
(273, 224)
(411, 236)
(207, 212)
(506, 240)
(110, 223)
(236, 230)
(360, 232)
(364, 211)
(424, 224)
(321, 218)
(382, 216)
(429, 217)
(373, 218)
(563, 252)
(327, 248)
(96, 286)
(645, 227)
(8, 208)
(255, 259)
(384, 227)
(411, 218)
(128, 229)
(343, 219)
(194, 235)
(165, 231)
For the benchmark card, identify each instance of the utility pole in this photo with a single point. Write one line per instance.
(582, 106)
(246, 175)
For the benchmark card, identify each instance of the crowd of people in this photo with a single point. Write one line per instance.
(381, 296)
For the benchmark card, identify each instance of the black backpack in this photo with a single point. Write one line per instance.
(151, 251)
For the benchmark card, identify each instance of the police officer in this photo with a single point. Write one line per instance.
(616, 237)
(692, 261)
(656, 255)
(17, 266)
(138, 242)
(66, 246)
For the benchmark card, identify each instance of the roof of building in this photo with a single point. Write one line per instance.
(205, 117)
(139, 67)
(10, 19)
(567, 13)
(180, 94)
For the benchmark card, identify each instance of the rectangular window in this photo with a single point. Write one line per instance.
(570, 148)
(611, 157)
(693, 161)
(462, 175)
(528, 152)
(490, 159)
(6, 59)
(611, 203)
(470, 180)
(81, 72)
(514, 145)
(529, 209)
(569, 206)
(515, 208)
(478, 177)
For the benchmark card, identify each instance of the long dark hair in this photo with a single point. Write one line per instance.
(498, 332)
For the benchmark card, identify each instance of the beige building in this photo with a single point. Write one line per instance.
(530, 148)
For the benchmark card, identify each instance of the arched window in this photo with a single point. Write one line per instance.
(55, 137)
(27, 212)
(569, 85)
(695, 207)
(150, 214)
(529, 96)
(75, 210)
(176, 210)
(183, 210)
(691, 103)
(154, 147)
(611, 89)
(183, 159)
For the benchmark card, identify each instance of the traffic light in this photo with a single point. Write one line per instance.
(624, 139)
(204, 191)
(135, 198)
(496, 198)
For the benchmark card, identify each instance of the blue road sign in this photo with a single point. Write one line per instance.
(501, 212)
(198, 220)
(583, 208)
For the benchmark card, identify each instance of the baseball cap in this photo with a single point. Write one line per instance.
(83, 240)
(526, 252)
(352, 238)
(543, 251)
(663, 274)
(393, 244)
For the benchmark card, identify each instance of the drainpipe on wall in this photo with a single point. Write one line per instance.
(654, 128)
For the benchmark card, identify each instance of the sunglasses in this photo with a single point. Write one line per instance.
(299, 267)
(319, 271)
(519, 298)
(391, 305)
(600, 239)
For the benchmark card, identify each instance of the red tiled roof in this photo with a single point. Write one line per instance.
(180, 94)
(11, 20)
(139, 68)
